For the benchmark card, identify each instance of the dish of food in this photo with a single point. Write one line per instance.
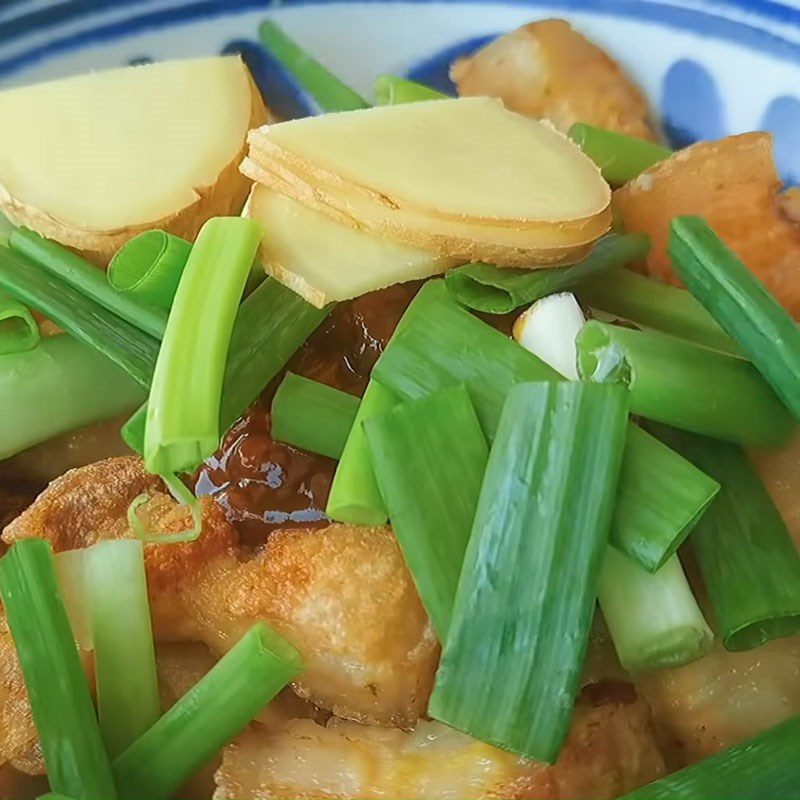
(432, 445)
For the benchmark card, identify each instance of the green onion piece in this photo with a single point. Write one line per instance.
(654, 619)
(499, 290)
(208, 716)
(18, 329)
(271, 324)
(511, 665)
(683, 385)
(184, 496)
(355, 497)
(429, 457)
(655, 305)
(661, 498)
(72, 584)
(88, 280)
(79, 315)
(620, 158)
(53, 796)
(749, 563)
(183, 412)
(765, 766)
(63, 369)
(740, 303)
(328, 92)
(312, 416)
(124, 655)
(149, 268)
(393, 91)
(59, 697)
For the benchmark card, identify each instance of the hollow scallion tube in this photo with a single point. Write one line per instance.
(64, 368)
(620, 157)
(18, 329)
(148, 268)
(124, 655)
(312, 416)
(208, 716)
(653, 618)
(429, 457)
(88, 280)
(741, 305)
(73, 586)
(498, 290)
(327, 91)
(680, 384)
(76, 761)
(749, 563)
(79, 315)
(511, 664)
(183, 412)
(655, 305)
(355, 497)
(393, 91)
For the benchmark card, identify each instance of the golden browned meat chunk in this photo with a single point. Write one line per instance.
(548, 70)
(723, 698)
(610, 750)
(734, 185)
(342, 594)
(15, 785)
(17, 732)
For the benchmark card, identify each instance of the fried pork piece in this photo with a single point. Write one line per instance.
(547, 69)
(610, 750)
(723, 698)
(733, 183)
(342, 594)
(15, 785)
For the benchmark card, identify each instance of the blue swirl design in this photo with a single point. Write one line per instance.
(782, 119)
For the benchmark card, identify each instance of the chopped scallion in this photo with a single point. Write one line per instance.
(312, 416)
(149, 268)
(620, 158)
(740, 303)
(88, 280)
(393, 91)
(185, 498)
(72, 583)
(18, 329)
(208, 716)
(183, 412)
(429, 457)
(680, 384)
(498, 290)
(511, 664)
(76, 761)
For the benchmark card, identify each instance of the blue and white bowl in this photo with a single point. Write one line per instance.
(709, 68)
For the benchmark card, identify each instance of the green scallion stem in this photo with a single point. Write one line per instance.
(749, 563)
(328, 92)
(65, 369)
(683, 385)
(88, 280)
(18, 329)
(124, 655)
(511, 665)
(271, 324)
(498, 290)
(208, 716)
(76, 762)
(393, 91)
(355, 497)
(79, 315)
(740, 303)
(654, 619)
(183, 411)
(184, 496)
(764, 766)
(655, 305)
(70, 568)
(312, 416)
(429, 457)
(620, 158)
(148, 268)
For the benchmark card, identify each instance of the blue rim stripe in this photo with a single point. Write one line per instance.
(674, 17)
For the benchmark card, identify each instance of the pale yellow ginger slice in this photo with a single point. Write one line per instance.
(324, 261)
(92, 160)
